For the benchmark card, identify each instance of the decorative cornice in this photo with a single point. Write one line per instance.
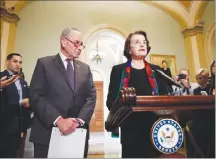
(191, 31)
(8, 14)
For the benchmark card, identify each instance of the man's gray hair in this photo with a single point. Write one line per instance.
(67, 31)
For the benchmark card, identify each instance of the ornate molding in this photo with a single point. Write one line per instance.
(8, 14)
(191, 31)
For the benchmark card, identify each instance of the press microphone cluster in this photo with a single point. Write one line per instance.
(173, 82)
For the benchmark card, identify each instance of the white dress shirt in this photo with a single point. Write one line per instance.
(18, 86)
(64, 58)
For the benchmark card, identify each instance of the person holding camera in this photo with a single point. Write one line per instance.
(196, 122)
(201, 123)
(187, 87)
(15, 109)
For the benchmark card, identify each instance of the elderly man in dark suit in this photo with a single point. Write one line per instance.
(15, 109)
(62, 93)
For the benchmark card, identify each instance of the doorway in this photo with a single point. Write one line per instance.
(97, 120)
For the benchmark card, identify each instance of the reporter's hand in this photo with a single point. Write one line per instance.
(213, 92)
(5, 82)
(25, 103)
(66, 126)
(176, 78)
(185, 83)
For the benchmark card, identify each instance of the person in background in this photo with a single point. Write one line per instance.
(15, 108)
(166, 69)
(187, 89)
(62, 93)
(137, 73)
(187, 86)
(212, 79)
(202, 79)
(201, 126)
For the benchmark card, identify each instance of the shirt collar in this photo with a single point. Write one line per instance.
(10, 72)
(63, 57)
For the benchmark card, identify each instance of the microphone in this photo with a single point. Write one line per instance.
(169, 79)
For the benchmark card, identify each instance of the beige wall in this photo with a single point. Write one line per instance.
(209, 31)
(42, 22)
(5, 28)
(209, 15)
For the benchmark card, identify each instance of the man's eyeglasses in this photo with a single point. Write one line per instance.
(77, 44)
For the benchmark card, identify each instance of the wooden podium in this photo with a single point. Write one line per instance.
(129, 103)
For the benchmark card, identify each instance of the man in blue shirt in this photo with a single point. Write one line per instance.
(15, 109)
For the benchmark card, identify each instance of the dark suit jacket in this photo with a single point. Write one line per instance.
(115, 78)
(197, 91)
(52, 96)
(13, 117)
(135, 122)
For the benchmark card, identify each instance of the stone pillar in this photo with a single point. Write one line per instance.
(194, 48)
(9, 19)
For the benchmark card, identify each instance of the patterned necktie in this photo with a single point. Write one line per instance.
(70, 73)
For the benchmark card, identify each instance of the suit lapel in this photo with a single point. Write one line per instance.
(23, 86)
(60, 66)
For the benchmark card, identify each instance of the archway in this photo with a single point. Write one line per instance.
(173, 8)
(110, 48)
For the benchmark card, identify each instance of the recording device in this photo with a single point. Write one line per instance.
(173, 82)
(181, 76)
(20, 74)
(8, 77)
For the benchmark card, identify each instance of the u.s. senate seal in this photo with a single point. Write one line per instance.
(167, 136)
